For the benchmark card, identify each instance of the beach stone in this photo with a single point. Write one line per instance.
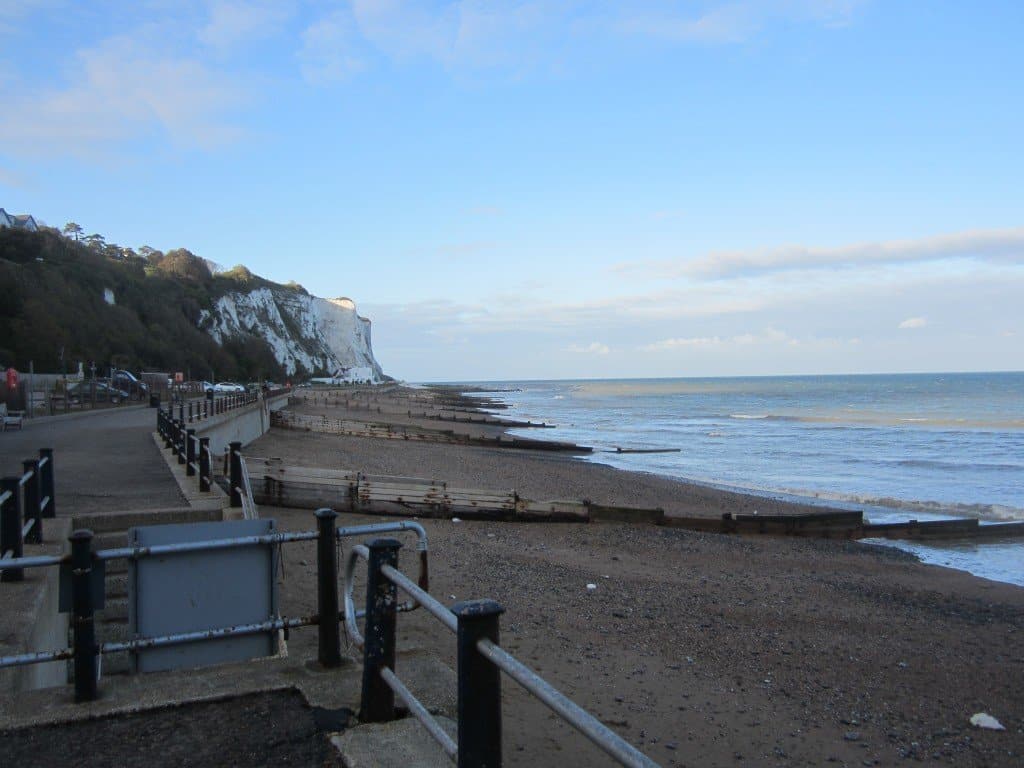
(852, 736)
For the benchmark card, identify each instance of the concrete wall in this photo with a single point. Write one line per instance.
(242, 425)
(31, 619)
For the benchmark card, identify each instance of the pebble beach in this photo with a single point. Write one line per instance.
(701, 649)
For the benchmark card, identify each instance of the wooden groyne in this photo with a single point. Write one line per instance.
(413, 411)
(349, 427)
(279, 484)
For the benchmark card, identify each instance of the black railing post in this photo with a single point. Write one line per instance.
(236, 474)
(327, 588)
(181, 441)
(479, 686)
(10, 527)
(204, 464)
(190, 453)
(31, 502)
(181, 411)
(47, 484)
(191, 414)
(84, 644)
(378, 700)
(165, 420)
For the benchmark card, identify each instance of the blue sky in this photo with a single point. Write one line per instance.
(552, 188)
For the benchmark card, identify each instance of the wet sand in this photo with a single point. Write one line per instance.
(701, 649)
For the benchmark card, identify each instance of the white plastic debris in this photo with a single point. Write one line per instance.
(456, 520)
(591, 587)
(983, 720)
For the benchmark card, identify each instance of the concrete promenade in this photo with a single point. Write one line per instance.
(108, 462)
(105, 460)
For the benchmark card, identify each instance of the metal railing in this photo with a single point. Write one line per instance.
(25, 501)
(480, 661)
(193, 452)
(87, 587)
(249, 510)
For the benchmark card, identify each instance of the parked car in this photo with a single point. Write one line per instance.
(229, 387)
(83, 391)
(207, 387)
(127, 381)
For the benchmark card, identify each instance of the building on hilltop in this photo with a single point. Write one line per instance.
(18, 221)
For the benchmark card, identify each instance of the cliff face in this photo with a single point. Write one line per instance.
(316, 334)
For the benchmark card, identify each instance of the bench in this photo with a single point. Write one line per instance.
(10, 419)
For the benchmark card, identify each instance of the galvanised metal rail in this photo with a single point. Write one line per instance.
(86, 584)
(24, 501)
(480, 661)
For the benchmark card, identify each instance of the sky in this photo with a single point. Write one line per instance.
(556, 188)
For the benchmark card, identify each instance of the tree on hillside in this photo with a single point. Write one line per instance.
(184, 264)
(72, 229)
(96, 241)
(152, 255)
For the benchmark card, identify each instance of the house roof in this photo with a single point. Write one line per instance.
(18, 220)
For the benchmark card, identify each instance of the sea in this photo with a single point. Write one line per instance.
(897, 446)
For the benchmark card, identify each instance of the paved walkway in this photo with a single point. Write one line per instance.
(104, 460)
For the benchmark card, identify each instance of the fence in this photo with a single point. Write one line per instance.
(84, 567)
(24, 502)
(194, 452)
(480, 661)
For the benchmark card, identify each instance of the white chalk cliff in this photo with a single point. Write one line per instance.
(316, 334)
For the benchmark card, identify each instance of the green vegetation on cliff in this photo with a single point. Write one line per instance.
(52, 303)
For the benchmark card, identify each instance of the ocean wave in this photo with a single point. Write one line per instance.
(990, 512)
(968, 465)
(757, 416)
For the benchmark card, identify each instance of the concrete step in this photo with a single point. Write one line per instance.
(110, 540)
(400, 744)
(115, 610)
(105, 522)
(113, 631)
(117, 585)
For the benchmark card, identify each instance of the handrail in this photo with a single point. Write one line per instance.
(249, 510)
(24, 501)
(420, 713)
(82, 557)
(474, 624)
(600, 734)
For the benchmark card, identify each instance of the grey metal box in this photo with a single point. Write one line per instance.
(192, 591)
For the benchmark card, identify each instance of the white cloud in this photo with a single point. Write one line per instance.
(594, 348)
(732, 22)
(997, 245)
(237, 21)
(123, 89)
(522, 34)
(767, 336)
(678, 343)
(914, 322)
(329, 50)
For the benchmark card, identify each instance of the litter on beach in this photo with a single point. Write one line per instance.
(591, 587)
(984, 720)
